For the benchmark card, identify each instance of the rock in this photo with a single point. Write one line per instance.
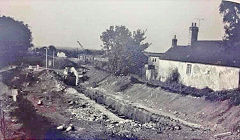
(14, 121)
(121, 122)
(61, 127)
(223, 134)
(70, 128)
(71, 103)
(40, 102)
(177, 127)
(176, 113)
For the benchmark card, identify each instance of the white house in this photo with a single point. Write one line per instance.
(61, 54)
(200, 64)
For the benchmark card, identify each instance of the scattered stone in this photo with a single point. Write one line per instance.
(223, 134)
(177, 127)
(61, 127)
(121, 122)
(176, 113)
(14, 94)
(40, 102)
(71, 103)
(70, 128)
(14, 121)
(149, 125)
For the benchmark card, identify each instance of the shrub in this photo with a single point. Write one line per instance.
(173, 76)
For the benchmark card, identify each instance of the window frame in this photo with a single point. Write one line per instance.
(189, 69)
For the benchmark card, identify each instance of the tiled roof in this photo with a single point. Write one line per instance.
(205, 52)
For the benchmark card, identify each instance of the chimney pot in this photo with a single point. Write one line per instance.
(193, 33)
(174, 41)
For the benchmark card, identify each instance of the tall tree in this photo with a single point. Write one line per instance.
(231, 18)
(125, 49)
(15, 39)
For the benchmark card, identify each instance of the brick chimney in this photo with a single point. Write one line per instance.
(174, 41)
(193, 30)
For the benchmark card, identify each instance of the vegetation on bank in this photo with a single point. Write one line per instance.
(174, 85)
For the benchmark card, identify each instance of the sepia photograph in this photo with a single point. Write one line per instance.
(119, 69)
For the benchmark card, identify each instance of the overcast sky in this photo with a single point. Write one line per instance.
(63, 22)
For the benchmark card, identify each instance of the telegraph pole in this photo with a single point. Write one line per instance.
(46, 58)
(53, 59)
(77, 54)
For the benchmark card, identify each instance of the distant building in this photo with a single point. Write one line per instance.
(61, 54)
(201, 63)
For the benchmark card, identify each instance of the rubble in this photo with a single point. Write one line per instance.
(223, 134)
(177, 127)
(39, 102)
(61, 127)
(70, 128)
(14, 94)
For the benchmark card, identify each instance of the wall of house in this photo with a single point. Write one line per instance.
(151, 74)
(200, 75)
(153, 61)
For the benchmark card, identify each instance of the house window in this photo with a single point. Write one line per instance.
(154, 60)
(189, 69)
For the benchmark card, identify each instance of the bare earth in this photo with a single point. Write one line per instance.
(65, 105)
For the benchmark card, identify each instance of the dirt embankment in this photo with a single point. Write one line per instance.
(63, 105)
(216, 116)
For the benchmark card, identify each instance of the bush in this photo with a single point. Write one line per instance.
(173, 77)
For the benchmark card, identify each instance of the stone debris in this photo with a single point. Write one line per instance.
(223, 134)
(71, 102)
(177, 127)
(61, 127)
(40, 102)
(14, 121)
(149, 125)
(70, 128)
(14, 94)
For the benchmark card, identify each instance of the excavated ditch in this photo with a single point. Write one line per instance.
(130, 111)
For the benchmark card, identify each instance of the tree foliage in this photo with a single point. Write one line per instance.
(125, 49)
(15, 39)
(231, 18)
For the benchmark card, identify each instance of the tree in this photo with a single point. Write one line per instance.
(231, 18)
(125, 49)
(15, 39)
(52, 49)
